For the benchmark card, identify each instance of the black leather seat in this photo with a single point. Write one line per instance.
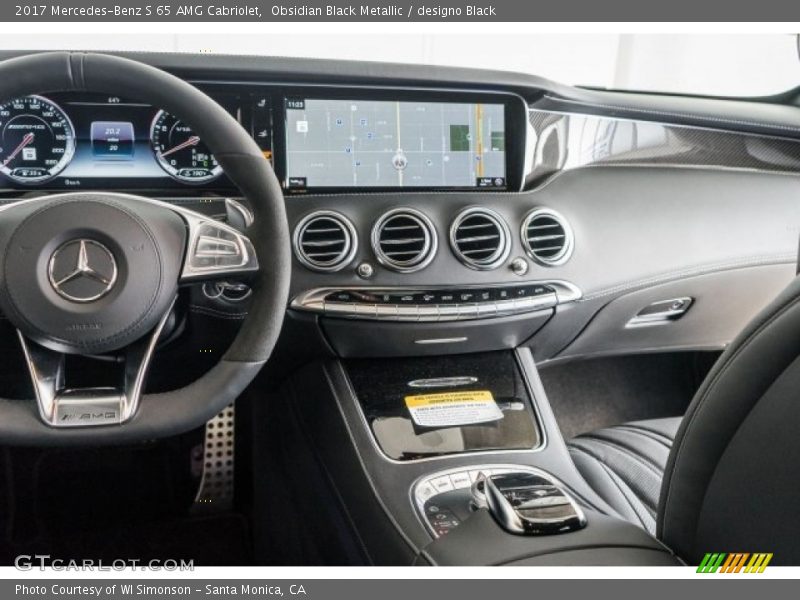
(730, 477)
(625, 465)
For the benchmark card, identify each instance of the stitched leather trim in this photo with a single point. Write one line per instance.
(626, 451)
(643, 500)
(648, 433)
(634, 501)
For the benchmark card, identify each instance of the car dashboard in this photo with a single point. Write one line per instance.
(440, 211)
(449, 227)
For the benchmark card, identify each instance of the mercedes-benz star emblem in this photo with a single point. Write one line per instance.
(82, 270)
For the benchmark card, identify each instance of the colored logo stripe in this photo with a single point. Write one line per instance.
(734, 562)
(758, 563)
(711, 562)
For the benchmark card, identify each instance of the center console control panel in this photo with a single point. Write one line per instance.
(536, 503)
(436, 304)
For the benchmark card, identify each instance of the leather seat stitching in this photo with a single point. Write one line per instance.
(646, 433)
(604, 471)
(605, 467)
(619, 482)
(639, 458)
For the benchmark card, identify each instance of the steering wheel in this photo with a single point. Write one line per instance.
(93, 273)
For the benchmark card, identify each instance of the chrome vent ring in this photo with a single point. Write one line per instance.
(325, 241)
(480, 238)
(547, 237)
(404, 240)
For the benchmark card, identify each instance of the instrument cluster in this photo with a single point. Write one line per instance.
(70, 140)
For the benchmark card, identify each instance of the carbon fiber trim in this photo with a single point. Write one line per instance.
(566, 141)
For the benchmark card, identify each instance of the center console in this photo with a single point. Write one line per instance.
(455, 460)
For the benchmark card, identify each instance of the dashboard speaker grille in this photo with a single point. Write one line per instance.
(547, 237)
(325, 241)
(480, 238)
(404, 240)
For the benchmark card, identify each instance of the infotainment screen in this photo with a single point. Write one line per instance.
(339, 143)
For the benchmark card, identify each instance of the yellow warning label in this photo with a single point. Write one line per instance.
(445, 398)
(453, 409)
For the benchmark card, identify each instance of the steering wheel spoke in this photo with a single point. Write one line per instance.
(215, 250)
(60, 406)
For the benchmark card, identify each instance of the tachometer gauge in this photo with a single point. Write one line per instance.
(37, 139)
(180, 152)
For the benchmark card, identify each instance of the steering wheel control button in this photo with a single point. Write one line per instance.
(415, 305)
(82, 270)
(216, 248)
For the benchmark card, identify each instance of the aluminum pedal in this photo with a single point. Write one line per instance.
(215, 493)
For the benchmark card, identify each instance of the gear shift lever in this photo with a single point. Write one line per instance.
(529, 504)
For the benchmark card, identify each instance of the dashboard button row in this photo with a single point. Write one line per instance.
(438, 484)
(449, 305)
(438, 297)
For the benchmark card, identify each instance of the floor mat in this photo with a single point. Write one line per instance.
(591, 394)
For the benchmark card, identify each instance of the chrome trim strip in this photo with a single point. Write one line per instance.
(451, 340)
(313, 300)
(439, 382)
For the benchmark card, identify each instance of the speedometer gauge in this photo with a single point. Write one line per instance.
(180, 152)
(37, 139)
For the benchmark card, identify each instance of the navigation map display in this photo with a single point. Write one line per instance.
(386, 144)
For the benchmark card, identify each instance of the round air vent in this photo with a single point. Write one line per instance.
(547, 237)
(480, 238)
(325, 241)
(404, 240)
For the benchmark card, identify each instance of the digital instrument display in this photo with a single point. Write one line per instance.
(339, 143)
(68, 140)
